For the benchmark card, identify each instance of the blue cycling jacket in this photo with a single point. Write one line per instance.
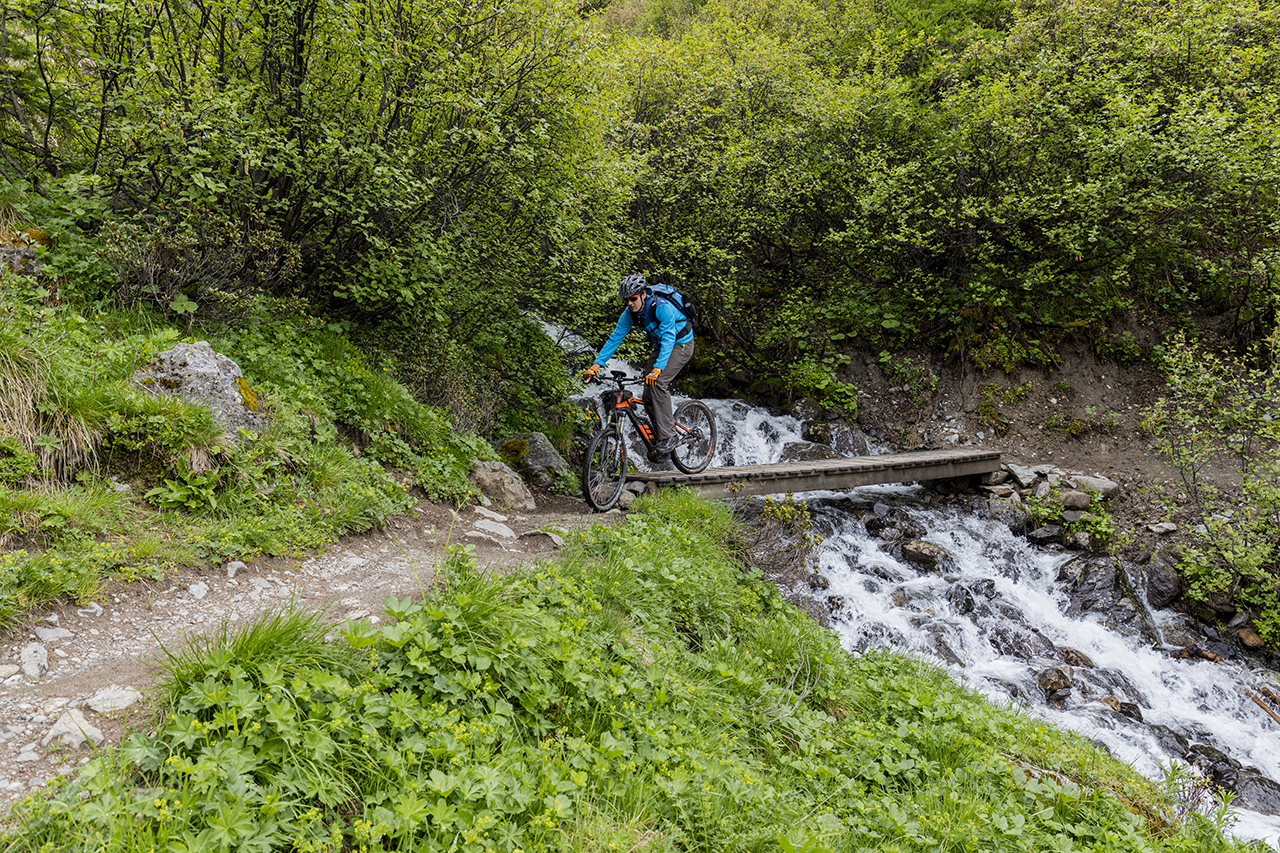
(661, 322)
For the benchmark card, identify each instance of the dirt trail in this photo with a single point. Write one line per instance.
(115, 642)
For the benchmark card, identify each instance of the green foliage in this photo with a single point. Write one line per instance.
(1220, 413)
(369, 154)
(1096, 521)
(15, 462)
(327, 376)
(985, 178)
(314, 472)
(641, 689)
(192, 492)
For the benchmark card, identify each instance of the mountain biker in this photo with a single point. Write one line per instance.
(671, 335)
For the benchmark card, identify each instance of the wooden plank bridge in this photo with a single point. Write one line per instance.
(827, 473)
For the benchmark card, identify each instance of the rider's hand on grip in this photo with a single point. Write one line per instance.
(651, 378)
(591, 373)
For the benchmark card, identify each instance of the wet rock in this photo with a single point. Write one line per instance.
(808, 451)
(1170, 741)
(994, 478)
(807, 409)
(501, 485)
(943, 650)
(1214, 764)
(961, 599)
(1045, 534)
(1158, 577)
(1098, 584)
(1053, 678)
(849, 440)
(1074, 657)
(890, 519)
(1020, 642)
(1181, 634)
(72, 730)
(1128, 709)
(1256, 792)
(817, 580)
(817, 432)
(927, 555)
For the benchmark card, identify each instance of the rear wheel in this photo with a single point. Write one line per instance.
(696, 429)
(604, 469)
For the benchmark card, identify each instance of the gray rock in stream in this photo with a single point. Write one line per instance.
(1256, 792)
(1099, 584)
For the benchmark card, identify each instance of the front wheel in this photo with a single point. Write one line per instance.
(604, 469)
(696, 430)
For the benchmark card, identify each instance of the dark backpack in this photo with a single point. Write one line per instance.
(682, 301)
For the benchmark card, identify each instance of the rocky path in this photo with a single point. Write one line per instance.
(78, 675)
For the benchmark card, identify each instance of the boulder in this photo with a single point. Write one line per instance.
(74, 731)
(1256, 792)
(926, 555)
(1075, 499)
(198, 374)
(1053, 678)
(1161, 580)
(1101, 485)
(808, 451)
(818, 432)
(501, 485)
(1099, 584)
(114, 698)
(1022, 474)
(534, 456)
(849, 440)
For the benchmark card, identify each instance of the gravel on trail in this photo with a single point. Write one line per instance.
(77, 675)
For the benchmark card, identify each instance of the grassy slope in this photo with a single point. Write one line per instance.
(100, 480)
(642, 691)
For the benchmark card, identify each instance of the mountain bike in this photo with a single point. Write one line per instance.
(604, 469)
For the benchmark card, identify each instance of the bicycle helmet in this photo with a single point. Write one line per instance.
(631, 285)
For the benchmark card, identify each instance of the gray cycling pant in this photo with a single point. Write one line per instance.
(657, 398)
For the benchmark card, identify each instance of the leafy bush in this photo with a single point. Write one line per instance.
(1220, 413)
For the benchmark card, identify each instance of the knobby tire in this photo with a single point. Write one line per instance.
(693, 418)
(604, 469)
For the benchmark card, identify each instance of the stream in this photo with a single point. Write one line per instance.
(1006, 618)
(1000, 618)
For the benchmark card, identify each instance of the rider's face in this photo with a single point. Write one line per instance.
(635, 302)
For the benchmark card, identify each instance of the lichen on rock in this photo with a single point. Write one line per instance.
(198, 374)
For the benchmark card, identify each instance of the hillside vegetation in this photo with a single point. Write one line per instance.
(371, 208)
(642, 691)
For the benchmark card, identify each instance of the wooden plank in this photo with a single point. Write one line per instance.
(828, 473)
